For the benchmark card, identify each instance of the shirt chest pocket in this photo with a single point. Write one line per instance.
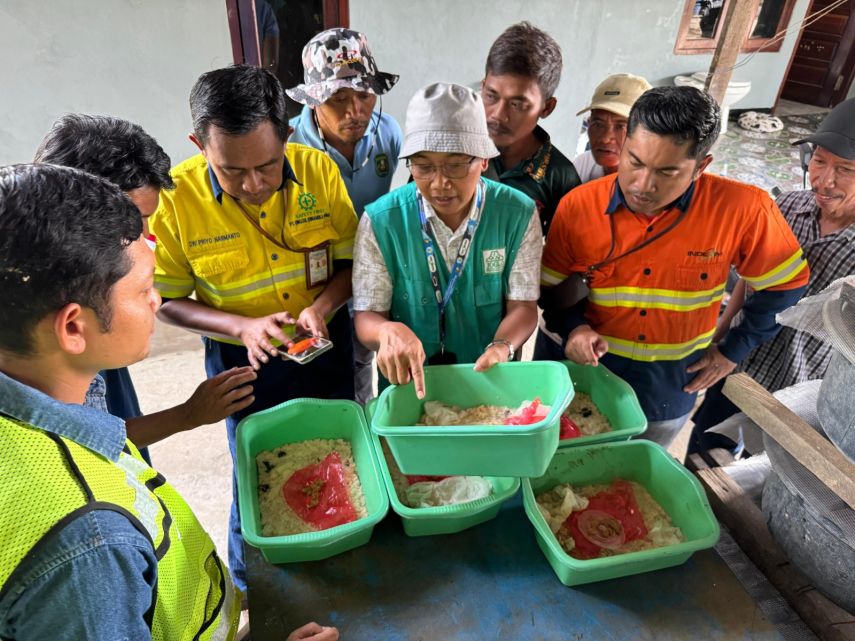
(311, 233)
(701, 276)
(212, 263)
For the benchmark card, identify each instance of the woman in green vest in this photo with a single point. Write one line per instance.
(446, 268)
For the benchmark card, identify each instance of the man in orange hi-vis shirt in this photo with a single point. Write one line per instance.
(655, 244)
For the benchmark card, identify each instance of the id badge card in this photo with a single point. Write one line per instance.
(306, 348)
(318, 263)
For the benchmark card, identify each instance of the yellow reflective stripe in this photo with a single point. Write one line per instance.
(343, 251)
(651, 352)
(145, 503)
(173, 288)
(650, 298)
(550, 277)
(781, 274)
(253, 288)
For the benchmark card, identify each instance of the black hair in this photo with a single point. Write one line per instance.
(524, 50)
(236, 100)
(64, 236)
(686, 114)
(115, 149)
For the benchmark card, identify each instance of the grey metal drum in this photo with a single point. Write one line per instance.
(812, 542)
(836, 404)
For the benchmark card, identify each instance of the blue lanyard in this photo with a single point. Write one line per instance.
(432, 255)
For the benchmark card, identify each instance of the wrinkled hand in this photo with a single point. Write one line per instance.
(313, 632)
(401, 356)
(498, 353)
(585, 346)
(711, 368)
(311, 321)
(218, 397)
(255, 334)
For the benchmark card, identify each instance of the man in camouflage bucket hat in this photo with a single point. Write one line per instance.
(336, 59)
(339, 93)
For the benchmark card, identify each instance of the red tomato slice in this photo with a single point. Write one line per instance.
(601, 529)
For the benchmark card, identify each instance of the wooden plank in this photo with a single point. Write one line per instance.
(747, 525)
(695, 462)
(736, 22)
(721, 456)
(803, 443)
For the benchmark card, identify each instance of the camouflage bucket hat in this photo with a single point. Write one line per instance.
(339, 59)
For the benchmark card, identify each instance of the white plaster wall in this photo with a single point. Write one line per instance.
(432, 40)
(136, 59)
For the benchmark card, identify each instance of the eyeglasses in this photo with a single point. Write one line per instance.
(424, 171)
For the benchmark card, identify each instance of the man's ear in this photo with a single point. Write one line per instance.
(70, 325)
(196, 142)
(549, 107)
(702, 166)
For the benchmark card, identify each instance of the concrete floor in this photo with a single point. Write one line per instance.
(197, 463)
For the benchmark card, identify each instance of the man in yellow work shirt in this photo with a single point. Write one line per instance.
(262, 233)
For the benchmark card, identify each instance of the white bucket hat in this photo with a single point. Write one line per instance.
(447, 118)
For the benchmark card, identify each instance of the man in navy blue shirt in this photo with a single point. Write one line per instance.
(124, 154)
(340, 91)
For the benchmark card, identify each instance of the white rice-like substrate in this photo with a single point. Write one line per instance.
(585, 414)
(276, 466)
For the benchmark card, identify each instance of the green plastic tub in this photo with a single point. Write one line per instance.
(300, 420)
(446, 519)
(490, 450)
(672, 485)
(613, 397)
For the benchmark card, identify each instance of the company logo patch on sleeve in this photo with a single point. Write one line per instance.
(494, 260)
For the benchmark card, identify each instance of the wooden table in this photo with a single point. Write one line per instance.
(493, 582)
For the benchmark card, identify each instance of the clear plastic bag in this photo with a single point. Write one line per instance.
(449, 491)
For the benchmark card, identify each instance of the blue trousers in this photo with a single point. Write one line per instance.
(328, 376)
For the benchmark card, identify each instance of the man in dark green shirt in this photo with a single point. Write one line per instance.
(522, 72)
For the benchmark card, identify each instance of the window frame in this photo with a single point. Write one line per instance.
(689, 46)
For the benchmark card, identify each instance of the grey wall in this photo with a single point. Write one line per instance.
(432, 40)
(136, 59)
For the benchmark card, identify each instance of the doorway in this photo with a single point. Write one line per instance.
(272, 33)
(823, 63)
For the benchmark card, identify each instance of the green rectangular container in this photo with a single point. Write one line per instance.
(489, 450)
(300, 420)
(446, 519)
(671, 484)
(613, 397)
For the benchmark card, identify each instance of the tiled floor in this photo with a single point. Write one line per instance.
(765, 160)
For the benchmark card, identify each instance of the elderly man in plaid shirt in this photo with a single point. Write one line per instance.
(823, 220)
